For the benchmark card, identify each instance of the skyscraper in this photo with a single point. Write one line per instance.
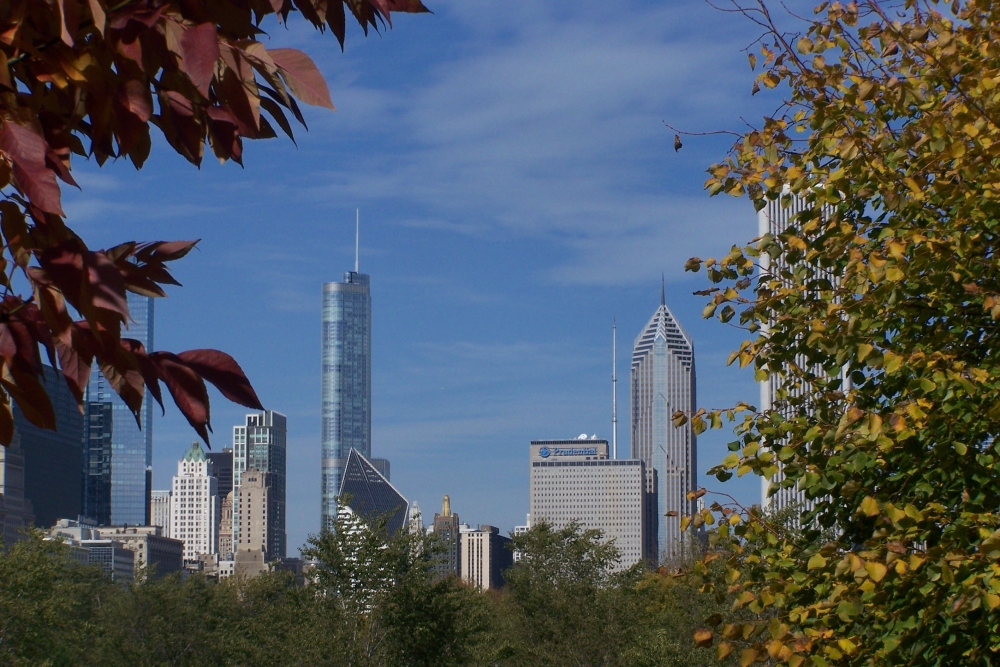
(195, 509)
(576, 481)
(663, 382)
(446, 527)
(118, 454)
(774, 219)
(346, 384)
(369, 496)
(260, 445)
(52, 479)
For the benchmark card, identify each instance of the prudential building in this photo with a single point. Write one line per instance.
(663, 382)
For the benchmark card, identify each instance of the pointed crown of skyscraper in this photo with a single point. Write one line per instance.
(196, 453)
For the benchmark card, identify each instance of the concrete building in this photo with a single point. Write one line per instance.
(52, 477)
(346, 382)
(153, 552)
(370, 496)
(521, 530)
(576, 481)
(416, 520)
(157, 554)
(226, 527)
(195, 510)
(159, 514)
(254, 541)
(118, 454)
(260, 444)
(774, 218)
(446, 527)
(17, 514)
(662, 383)
(485, 556)
(115, 560)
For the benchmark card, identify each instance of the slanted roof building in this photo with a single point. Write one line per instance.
(369, 495)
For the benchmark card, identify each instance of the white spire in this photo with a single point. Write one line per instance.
(357, 236)
(614, 388)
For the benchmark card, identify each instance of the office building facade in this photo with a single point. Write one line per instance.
(17, 512)
(577, 481)
(446, 527)
(256, 543)
(260, 444)
(662, 383)
(485, 557)
(346, 383)
(52, 479)
(774, 218)
(369, 496)
(195, 510)
(118, 452)
(160, 511)
(222, 469)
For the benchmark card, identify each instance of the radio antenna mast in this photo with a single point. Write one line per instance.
(357, 236)
(614, 389)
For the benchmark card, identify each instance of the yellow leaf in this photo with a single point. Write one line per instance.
(892, 362)
(876, 571)
(723, 650)
(703, 637)
(747, 656)
(894, 274)
(971, 130)
(816, 562)
(869, 506)
(992, 600)
(864, 350)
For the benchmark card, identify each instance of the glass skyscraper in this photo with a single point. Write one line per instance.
(346, 384)
(663, 382)
(118, 454)
(369, 495)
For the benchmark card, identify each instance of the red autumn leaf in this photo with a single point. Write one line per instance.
(135, 96)
(86, 278)
(302, 76)
(222, 370)
(57, 159)
(187, 389)
(128, 384)
(27, 150)
(30, 396)
(147, 368)
(200, 52)
(407, 6)
(75, 363)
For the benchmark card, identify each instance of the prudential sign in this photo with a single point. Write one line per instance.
(546, 452)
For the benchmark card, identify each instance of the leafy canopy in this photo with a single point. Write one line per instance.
(93, 78)
(878, 311)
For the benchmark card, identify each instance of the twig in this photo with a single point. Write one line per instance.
(701, 134)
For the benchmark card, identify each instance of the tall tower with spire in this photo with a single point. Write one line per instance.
(346, 380)
(663, 382)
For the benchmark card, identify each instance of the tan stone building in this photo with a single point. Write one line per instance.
(251, 506)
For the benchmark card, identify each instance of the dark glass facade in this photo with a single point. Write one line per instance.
(118, 454)
(52, 480)
(346, 382)
(369, 495)
(222, 469)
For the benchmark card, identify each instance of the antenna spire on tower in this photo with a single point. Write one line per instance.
(663, 289)
(357, 236)
(614, 388)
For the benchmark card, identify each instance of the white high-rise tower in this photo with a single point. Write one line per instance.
(663, 382)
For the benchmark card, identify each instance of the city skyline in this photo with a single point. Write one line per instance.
(504, 226)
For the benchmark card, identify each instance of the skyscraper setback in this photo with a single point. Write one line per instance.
(118, 454)
(346, 383)
(663, 382)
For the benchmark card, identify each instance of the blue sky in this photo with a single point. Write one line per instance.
(517, 191)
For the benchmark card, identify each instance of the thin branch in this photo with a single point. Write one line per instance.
(702, 134)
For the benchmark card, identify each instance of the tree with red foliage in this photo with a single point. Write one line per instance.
(90, 78)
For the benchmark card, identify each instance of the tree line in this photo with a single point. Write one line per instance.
(370, 601)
